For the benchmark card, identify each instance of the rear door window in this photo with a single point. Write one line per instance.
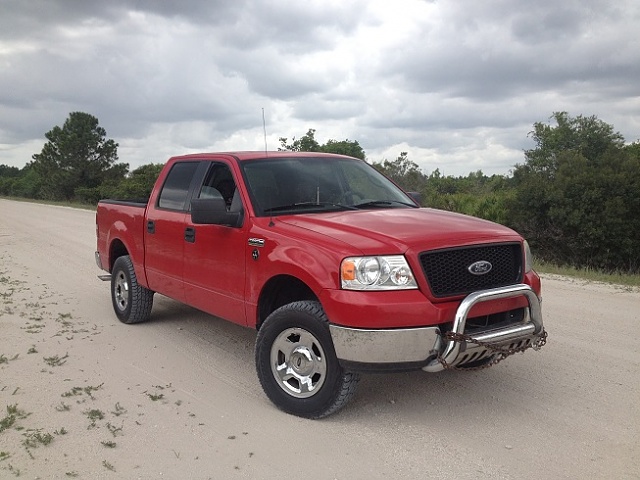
(175, 190)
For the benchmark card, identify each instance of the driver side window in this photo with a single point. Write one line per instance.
(219, 183)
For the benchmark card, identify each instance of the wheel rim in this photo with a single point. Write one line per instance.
(121, 291)
(298, 363)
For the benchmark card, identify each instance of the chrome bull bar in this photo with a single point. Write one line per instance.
(451, 348)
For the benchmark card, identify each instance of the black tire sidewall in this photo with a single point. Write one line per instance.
(123, 264)
(308, 316)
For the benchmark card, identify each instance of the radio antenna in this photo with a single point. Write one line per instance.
(264, 128)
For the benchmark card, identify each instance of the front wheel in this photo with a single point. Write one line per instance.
(297, 364)
(131, 301)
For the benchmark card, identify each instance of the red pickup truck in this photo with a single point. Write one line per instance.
(338, 270)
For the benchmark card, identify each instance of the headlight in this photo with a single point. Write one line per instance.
(390, 272)
(528, 258)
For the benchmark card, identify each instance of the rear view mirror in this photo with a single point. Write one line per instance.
(213, 211)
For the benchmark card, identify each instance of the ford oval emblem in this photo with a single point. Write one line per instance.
(481, 267)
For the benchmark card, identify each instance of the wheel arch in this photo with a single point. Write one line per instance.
(116, 249)
(281, 290)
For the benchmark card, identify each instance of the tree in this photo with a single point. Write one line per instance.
(8, 178)
(578, 194)
(77, 158)
(19, 182)
(587, 136)
(7, 171)
(633, 149)
(308, 143)
(404, 172)
(139, 183)
(344, 147)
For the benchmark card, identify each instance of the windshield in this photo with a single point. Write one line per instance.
(319, 184)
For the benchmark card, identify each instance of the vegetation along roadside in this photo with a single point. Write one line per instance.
(575, 197)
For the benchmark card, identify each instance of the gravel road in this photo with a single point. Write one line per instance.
(84, 396)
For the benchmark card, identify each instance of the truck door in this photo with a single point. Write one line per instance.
(165, 230)
(215, 255)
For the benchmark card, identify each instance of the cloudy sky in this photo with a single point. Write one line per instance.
(457, 84)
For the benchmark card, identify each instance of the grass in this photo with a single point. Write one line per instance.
(14, 426)
(14, 470)
(119, 410)
(56, 361)
(94, 415)
(35, 438)
(63, 407)
(76, 391)
(13, 414)
(589, 274)
(114, 430)
(4, 359)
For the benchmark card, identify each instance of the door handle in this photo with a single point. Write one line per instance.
(190, 234)
(151, 226)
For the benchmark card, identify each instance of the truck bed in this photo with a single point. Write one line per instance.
(123, 220)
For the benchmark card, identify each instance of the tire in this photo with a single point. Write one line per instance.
(131, 301)
(297, 364)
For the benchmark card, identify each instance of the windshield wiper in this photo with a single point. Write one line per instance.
(308, 205)
(383, 203)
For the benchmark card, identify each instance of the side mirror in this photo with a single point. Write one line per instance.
(213, 211)
(417, 197)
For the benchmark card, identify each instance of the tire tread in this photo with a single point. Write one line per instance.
(141, 301)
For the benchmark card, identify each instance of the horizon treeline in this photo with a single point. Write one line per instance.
(575, 197)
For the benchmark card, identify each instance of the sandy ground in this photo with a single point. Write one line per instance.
(84, 396)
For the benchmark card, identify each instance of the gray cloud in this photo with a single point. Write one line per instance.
(456, 84)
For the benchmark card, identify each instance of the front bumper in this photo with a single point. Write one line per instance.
(423, 347)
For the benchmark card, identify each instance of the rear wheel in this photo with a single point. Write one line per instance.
(131, 301)
(297, 365)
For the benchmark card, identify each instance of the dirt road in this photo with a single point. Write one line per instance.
(84, 396)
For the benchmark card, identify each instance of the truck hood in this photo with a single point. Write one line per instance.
(398, 230)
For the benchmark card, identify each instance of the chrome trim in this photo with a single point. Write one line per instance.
(390, 346)
(256, 242)
(481, 267)
(506, 335)
(516, 332)
(99, 260)
(424, 344)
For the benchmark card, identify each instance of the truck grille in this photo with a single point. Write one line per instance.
(448, 274)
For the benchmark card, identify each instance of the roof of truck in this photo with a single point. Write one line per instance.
(258, 154)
